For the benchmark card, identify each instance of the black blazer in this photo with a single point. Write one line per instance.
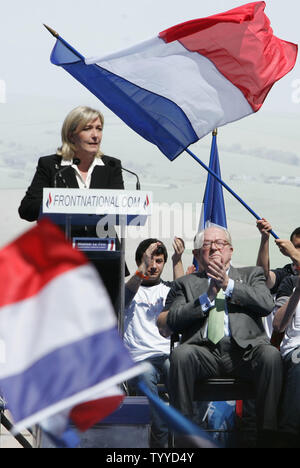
(108, 176)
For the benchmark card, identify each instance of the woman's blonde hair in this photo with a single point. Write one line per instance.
(75, 121)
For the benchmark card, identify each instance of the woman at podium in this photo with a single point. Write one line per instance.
(79, 163)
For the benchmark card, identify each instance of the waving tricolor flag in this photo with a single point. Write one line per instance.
(189, 79)
(61, 351)
(213, 208)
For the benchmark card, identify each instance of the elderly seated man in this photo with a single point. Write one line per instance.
(219, 314)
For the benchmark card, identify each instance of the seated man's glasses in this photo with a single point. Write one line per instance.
(219, 243)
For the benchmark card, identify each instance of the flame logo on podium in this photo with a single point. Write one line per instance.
(146, 203)
(49, 201)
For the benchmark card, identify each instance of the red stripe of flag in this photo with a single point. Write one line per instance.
(25, 270)
(89, 413)
(241, 44)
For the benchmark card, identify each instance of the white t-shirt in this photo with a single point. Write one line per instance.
(141, 335)
(291, 338)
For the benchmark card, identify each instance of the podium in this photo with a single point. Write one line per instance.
(88, 218)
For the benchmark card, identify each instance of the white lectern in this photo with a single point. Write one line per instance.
(96, 209)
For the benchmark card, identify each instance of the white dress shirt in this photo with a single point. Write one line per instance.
(81, 183)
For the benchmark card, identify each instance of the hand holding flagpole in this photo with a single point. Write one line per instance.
(227, 187)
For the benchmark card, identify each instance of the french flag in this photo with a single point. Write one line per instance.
(213, 208)
(61, 353)
(190, 79)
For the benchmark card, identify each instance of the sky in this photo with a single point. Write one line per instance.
(99, 27)
(35, 97)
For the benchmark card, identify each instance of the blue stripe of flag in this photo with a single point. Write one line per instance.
(154, 117)
(65, 372)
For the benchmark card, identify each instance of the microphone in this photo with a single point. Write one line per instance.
(138, 185)
(59, 173)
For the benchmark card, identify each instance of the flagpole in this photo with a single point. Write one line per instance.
(227, 186)
(57, 36)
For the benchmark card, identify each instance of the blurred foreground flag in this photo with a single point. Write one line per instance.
(187, 434)
(61, 350)
(190, 79)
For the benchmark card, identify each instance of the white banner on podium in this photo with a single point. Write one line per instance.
(96, 201)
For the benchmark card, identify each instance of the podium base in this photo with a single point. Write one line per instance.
(128, 427)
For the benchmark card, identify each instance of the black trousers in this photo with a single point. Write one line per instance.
(191, 362)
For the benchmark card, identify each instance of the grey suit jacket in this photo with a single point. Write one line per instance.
(250, 301)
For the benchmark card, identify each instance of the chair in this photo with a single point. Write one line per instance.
(219, 389)
(222, 389)
(8, 426)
